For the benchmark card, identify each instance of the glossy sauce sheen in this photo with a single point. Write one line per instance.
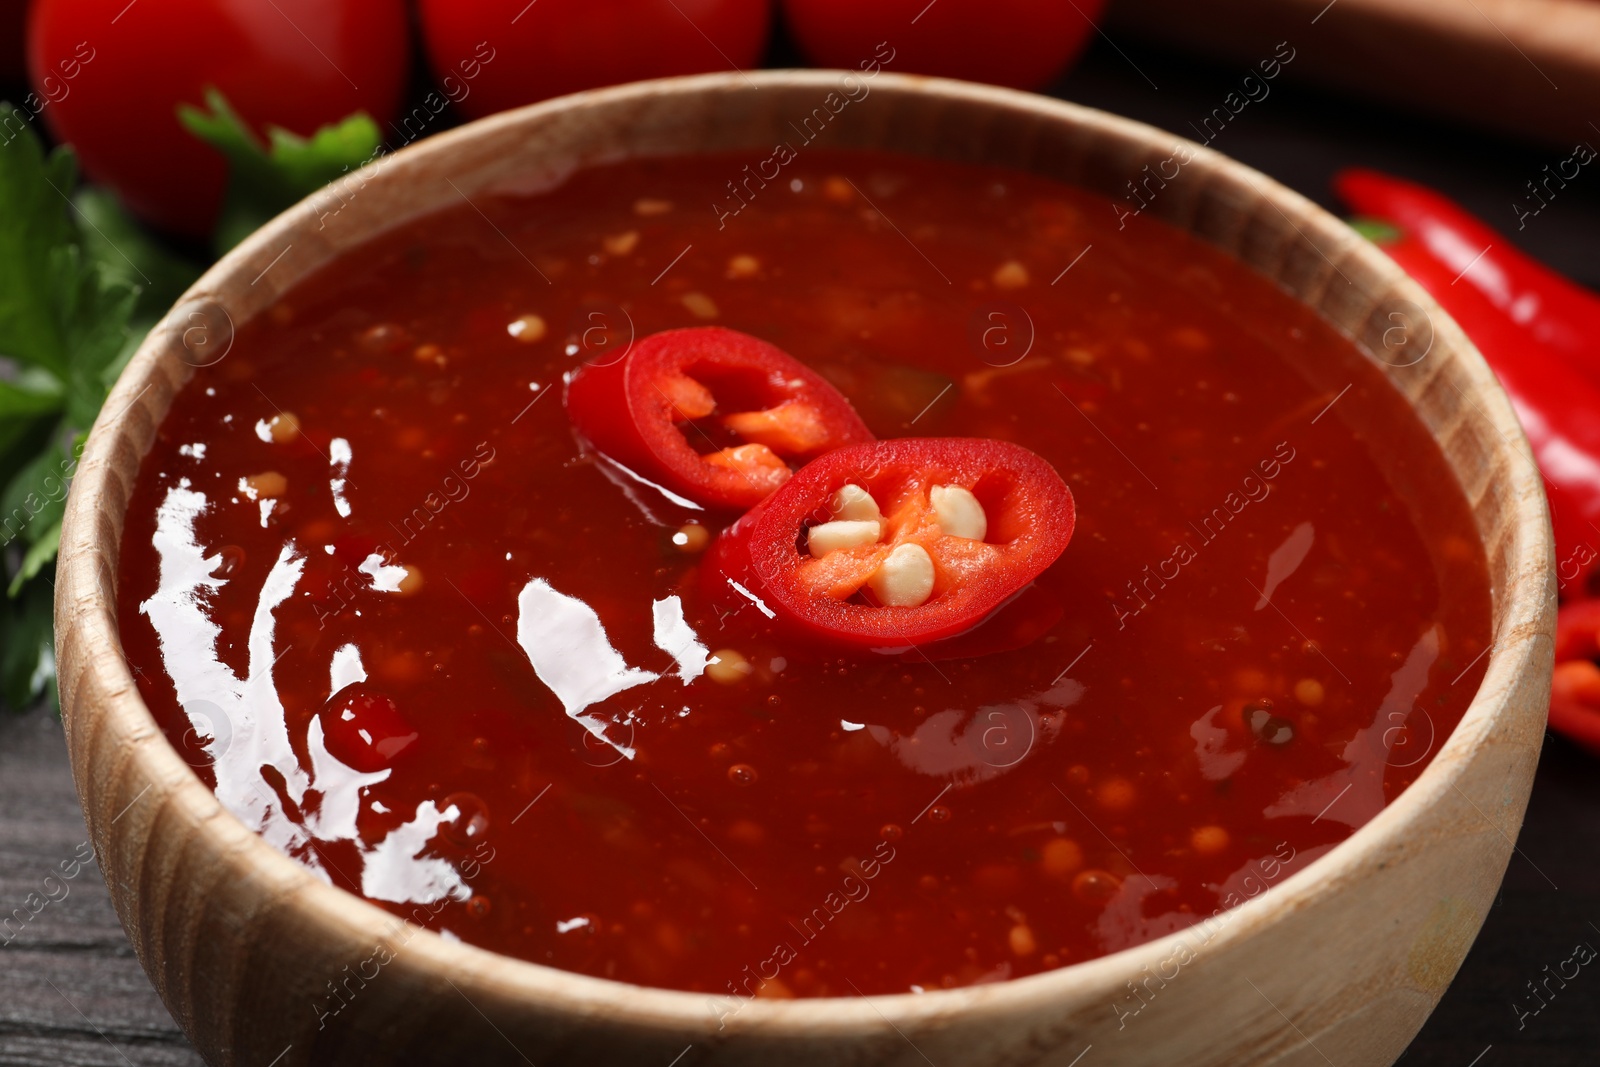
(1257, 647)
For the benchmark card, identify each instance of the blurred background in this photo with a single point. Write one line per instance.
(1493, 103)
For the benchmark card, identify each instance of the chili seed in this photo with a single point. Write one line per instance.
(691, 537)
(283, 427)
(1060, 857)
(728, 667)
(1309, 692)
(1209, 840)
(1010, 275)
(267, 484)
(742, 774)
(620, 244)
(527, 329)
(700, 305)
(411, 583)
(1116, 794)
(743, 267)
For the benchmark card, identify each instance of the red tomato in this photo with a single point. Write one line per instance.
(897, 543)
(1025, 44)
(490, 55)
(711, 413)
(110, 76)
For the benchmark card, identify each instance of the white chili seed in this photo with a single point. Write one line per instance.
(1010, 275)
(267, 484)
(854, 503)
(527, 329)
(620, 244)
(283, 427)
(1022, 940)
(905, 579)
(700, 305)
(832, 536)
(411, 582)
(743, 266)
(691, 537)
(958, 512)
(728, 667)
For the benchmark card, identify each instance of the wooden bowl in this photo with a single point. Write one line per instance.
(1340, 963)
(1527, 69)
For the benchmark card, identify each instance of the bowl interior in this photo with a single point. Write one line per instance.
(118, 751)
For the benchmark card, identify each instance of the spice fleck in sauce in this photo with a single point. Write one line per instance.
(444, 656)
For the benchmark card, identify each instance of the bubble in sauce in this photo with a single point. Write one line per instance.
(471, 821)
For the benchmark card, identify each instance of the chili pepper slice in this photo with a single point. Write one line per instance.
(713, 414)
(1558, 313)
(1575, 687)
(1554, 402)
(898, 543)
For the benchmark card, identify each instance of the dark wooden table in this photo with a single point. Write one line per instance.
(72, 992)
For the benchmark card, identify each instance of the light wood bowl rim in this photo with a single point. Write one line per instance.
(87, 628)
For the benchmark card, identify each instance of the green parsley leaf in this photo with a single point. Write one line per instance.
(94, 324)
(264, 180)
(27, 646)
(127, 254)
(35, 498)
(64, 323)
(17, 399)
(34, 189)
(39, 553)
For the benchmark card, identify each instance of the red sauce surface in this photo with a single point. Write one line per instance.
(1260, 644)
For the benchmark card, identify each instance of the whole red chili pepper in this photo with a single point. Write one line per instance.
(1575, 687)
(1559, 314)
(1559, 407)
